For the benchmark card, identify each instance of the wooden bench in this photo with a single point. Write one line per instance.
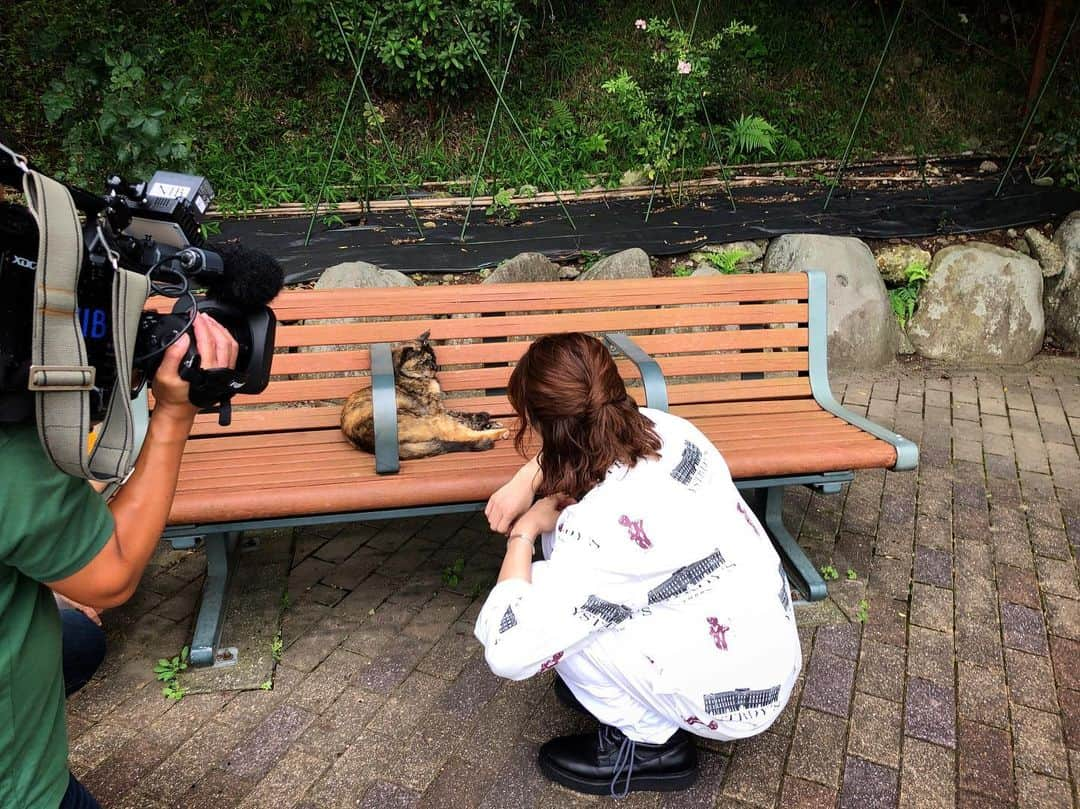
(741, 356)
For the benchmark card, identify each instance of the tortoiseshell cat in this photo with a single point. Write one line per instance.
(425, 426)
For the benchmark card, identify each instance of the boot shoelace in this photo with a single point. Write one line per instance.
(624, 761)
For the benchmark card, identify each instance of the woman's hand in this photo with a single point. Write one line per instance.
(508, 503)
(513, 498)
(543, 515)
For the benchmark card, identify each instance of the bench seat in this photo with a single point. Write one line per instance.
(316, 471)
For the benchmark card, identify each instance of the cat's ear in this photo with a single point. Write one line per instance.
(423, 338)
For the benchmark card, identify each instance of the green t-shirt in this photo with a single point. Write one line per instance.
(51, 526)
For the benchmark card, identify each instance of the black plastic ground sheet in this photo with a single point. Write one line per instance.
(390, 239)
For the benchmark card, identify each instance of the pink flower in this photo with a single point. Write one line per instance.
(641, 25)
(684, 66)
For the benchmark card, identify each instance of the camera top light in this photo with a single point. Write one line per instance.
(171, 209)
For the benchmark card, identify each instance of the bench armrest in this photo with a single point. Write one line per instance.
(651, 375)
(907, 454)
(384, 405)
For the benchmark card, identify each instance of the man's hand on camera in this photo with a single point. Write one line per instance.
(217, 349)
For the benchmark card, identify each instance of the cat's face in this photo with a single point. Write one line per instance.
(416, 358)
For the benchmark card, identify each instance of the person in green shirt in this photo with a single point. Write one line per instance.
(56, 532)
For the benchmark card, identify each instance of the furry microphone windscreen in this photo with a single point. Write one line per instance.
(251, 278)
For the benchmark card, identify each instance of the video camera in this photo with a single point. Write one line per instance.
(154, 229)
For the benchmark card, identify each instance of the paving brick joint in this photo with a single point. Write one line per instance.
(961, 688)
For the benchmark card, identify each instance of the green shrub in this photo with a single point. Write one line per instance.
(108, 103)
(1058, 144)
(501, 209)
(904, 299)
(727, 261)
(417, 45)
(688, 78)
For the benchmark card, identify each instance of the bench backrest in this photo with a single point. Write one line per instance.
(725, 344)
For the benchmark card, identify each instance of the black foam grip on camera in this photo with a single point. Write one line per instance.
(209, 386)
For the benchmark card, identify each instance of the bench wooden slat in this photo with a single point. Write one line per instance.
(519, 326)
(354, 303)
(334, 461)
(359, 359)
(339, 388)
(231, 451)
(301, 390)
(327, 416)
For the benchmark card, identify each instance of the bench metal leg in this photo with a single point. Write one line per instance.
(220, 560)
(799, 568)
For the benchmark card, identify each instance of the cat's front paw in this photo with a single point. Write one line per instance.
(503, 432)
(496, 431)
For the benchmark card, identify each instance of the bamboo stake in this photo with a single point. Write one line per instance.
(514, 121)
(378, 125)
(862, 110)
(491, 129)
(720, 160)
(1038, 101)
(341, 123)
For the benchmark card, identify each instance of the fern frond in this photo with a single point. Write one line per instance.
(561, 118)
(749, 134)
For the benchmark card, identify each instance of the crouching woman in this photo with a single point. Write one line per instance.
(660, 604)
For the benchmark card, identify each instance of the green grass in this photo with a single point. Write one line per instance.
(267, 114)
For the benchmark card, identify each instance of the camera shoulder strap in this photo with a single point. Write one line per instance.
(60, 375)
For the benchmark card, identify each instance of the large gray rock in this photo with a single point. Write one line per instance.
(1048, 254)
(863, 333)
(982, 304)
(352, 275)
(1062, 295)
(632, 263)
(358, 274)
(524, 267)
(892, 261)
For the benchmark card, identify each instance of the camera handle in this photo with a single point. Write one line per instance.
(209, 386)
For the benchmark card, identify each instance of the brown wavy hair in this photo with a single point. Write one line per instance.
(567, 389)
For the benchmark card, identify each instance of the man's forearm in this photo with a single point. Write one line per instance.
(142, 505)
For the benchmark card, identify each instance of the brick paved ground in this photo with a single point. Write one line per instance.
(961, 689)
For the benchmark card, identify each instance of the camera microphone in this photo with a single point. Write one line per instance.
(246, 279)
(251, 278)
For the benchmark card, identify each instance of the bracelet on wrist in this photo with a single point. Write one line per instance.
(512, 537)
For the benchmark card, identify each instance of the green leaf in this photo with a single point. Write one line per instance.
(106, 121)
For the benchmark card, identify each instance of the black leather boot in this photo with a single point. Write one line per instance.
(608, 763)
